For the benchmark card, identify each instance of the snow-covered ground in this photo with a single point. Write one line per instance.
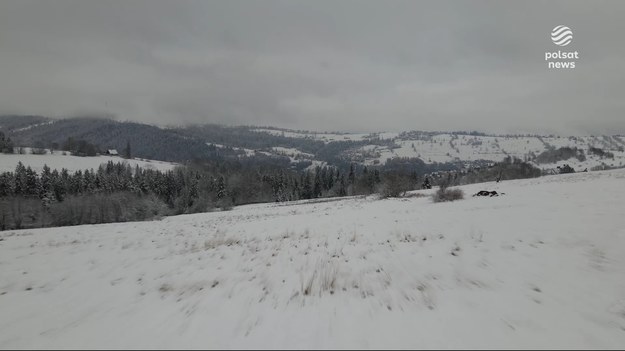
(73, 163)
(34, 126)
(542, 266)
(445, 147)
(448, 148)
(243, 151)
(292, 152)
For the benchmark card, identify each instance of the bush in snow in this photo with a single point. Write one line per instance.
(394, 185)
(445, 194)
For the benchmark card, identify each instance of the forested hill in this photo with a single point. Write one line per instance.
(177, 144)
(147, 141)
(415, 150)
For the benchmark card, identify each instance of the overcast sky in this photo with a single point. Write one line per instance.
(318, 65)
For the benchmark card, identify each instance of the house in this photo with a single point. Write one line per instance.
(112, 152)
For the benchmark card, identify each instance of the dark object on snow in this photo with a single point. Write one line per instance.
(487, 193)
(566, 169)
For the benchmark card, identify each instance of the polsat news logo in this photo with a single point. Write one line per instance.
(562, 36)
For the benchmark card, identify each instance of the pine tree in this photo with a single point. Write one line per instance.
(75, 183)
(317, 184)
(342, 186)
(351, 178)
(7, 184)
(295, 194)
(46, 185)
(307, 192)
(324, 179)
(33, 186)
(89, 181)
(221, 188)
(330, 179)
(61, 185)
(127, 153)
(21, 186)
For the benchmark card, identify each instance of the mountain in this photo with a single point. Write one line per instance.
(147, 141)
(424, 151)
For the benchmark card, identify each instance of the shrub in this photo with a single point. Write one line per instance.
(39, 149)
(394, 186)
(444, 194)
(105, 208)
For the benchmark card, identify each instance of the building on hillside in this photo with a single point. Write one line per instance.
(112, 152)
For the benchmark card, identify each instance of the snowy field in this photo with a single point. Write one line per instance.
(541, 266)
(445, 147)
(73, 163)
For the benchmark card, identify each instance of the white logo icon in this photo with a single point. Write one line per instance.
(562, 35)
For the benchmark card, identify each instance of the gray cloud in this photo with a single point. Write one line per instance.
(321, 65)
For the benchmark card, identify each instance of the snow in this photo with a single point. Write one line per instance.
(325, 137)
(34, 126)
(438, 148)
(446, 147)
(243, 151)
(314, 164)
(294, 155)
(291, 152)
(73, 163)
(539, 267)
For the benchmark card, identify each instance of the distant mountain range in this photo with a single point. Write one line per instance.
(425, 151)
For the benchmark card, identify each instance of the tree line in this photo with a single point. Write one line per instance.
(118, 192)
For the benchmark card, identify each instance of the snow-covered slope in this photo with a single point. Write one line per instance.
(292, 153)
(451, 147)
(541, 266)
(241, 150)
(57, 160)
(34, 126)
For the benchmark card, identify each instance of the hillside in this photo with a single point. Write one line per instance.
(356, 272)
(302, 149)
(464, 147)
(57, 160)
(147, 141)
